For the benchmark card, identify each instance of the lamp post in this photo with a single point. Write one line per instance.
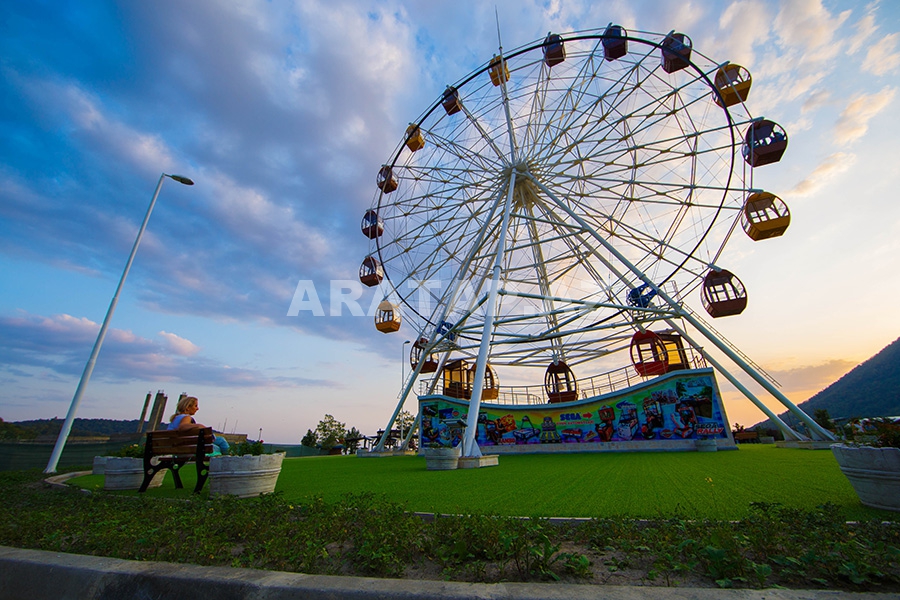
(89, 367)
(403, 363)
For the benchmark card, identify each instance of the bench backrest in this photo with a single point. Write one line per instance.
(179, 442)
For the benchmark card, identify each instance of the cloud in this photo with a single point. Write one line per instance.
(882, 57)
(58, 346)
(853, 121)
(833, 165)
(743, 25)
(812, 377)
(809, 26)
(179, 345)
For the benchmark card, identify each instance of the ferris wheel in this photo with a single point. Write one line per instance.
(550, 207)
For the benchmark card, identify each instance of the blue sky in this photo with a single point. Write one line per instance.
(282, 112)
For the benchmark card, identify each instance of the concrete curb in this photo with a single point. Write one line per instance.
(40, 575)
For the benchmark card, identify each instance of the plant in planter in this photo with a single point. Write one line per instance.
(246, 472)
(442, 458)
(874, 468)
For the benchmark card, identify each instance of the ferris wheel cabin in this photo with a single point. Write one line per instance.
(372, 225)
(387, 317)
(450, 100)
(614, 43)
(499, 69)
(414, 138)
(656, 353)
(560, 383)
(723, 294)
(765, 216)
(733, 83)
(417, 353)
(764, 143)
(385, 180)
(554, 50)
(370, 271)
(676, 52)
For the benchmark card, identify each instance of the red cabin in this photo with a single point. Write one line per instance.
(385, 180)
(648, 354)
(723, 294)
(430, 363)
(733, 82)
(370, 271)
(559, 383)
(676, 52)
(614, 43)
(450, 100)
(499, 69)
(372, 226)
(554, 50)
(765, 216)
(414, 138)
(387, 317)
(764, 143)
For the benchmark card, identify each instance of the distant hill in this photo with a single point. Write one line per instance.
(80, 427)
(871, 389)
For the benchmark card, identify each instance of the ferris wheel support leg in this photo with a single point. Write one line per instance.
(470, 445)
(379, 447)
(784, 427)
(817, 431)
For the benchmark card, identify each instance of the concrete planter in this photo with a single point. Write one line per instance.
(99, 465)
(442, 459)
(766, 439)
(127, 474)
(245, 476)
(874, 474)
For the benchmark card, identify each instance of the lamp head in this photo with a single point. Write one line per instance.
(180, 179)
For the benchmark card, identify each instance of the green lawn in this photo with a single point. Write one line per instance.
(715, 485)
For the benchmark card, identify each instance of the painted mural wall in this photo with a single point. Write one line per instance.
(681, 405)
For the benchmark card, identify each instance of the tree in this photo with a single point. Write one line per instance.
(309, 439)
(405, 420)
(821, 416)
(351, 441)
(330, 432)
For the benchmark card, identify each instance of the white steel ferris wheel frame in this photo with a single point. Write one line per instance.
(533, 211)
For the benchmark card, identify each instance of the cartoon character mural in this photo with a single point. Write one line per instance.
(681, 407)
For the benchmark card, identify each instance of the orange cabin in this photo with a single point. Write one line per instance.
(733, 82)
(560, 383)
(648, 354)
(554, 50)
(450, 100)
(385, 180)
(723, 294)
(614, 43)
(458, 379)
(499, 68)
(491, 389)
(676, 52)
(370, 271)
(414, 138)
(765, 216)
(387, 317)
(429, 364)
(764, 143)
(372, 226)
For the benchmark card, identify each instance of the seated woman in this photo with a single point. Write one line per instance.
(183, 419)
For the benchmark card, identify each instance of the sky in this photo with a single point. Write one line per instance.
(282, 112)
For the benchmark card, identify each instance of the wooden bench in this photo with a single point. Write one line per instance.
(174, 449)
(741, 437)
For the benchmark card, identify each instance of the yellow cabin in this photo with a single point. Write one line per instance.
(499, 68)
(491, 388)
(765, 216)
(733, 82)
(458, 379)
(387, 317)
(414, 138)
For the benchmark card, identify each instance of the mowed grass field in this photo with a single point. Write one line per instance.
(714, 485)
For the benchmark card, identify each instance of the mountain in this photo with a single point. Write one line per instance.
(80, 427)
(871, 389)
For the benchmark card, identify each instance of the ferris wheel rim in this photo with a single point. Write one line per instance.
(700, 74)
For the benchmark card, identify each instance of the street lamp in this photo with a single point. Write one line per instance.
(403, 363)
(89, 367)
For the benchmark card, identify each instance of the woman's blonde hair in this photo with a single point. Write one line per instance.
(184, 403)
